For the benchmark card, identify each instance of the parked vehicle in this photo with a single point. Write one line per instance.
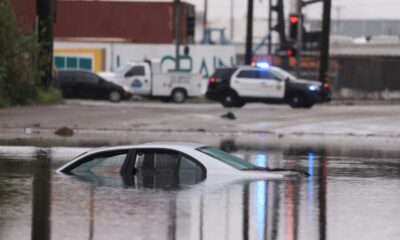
(188, 161)
(85, 84)
(236, 86)
(146, 79)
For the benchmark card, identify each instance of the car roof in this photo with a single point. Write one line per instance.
(166, 145)
(74, 71)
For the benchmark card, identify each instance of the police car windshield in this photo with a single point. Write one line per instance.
(282, 74)
(227, 158)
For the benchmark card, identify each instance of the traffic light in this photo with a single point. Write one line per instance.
(190, 24)
(293, 23)
(291, 52)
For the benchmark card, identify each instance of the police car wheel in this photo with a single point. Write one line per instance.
(115, 96)
(231, 99)
(308, 104)
(178, 96)
(297, 100)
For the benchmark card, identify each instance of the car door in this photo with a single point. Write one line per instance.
(90, 86)
(258, 83)
(66, 82)
(159, 167)
(246, 83)
(270, 85)
(138, 79)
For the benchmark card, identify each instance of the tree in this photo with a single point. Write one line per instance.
(19, 65)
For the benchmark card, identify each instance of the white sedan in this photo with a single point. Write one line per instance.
(188, 162)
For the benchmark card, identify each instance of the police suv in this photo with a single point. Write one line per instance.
(236, 86)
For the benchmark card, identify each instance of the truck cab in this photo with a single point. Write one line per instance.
(145, 78)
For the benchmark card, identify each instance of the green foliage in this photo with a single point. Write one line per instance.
(19, 62)
(50, 95)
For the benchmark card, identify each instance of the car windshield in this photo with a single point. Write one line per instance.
(282, 74)
(227, 158)
(121, 70)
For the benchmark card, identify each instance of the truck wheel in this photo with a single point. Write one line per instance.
(115, 96)
(231, 99)
(297, 100)
(178, 96)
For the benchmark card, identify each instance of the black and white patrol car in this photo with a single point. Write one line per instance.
(236, 86)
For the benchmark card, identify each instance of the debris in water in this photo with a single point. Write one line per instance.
(64, 132)
(229, 115)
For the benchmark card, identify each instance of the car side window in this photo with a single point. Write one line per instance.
(135, 71)
(247, 74)
(110, 162)
(265, 74)
(171, 162)
(88, 78)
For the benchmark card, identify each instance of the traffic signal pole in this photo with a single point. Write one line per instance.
(249, 35)
(299, 40)
(177, 60)
(45, 11)
(270, 28)
(324, 57)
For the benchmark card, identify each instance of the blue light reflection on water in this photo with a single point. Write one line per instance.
(311, 157)
(261, 160)
(260, 198)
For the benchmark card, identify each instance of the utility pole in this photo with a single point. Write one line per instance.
(232, 25)
(299, 40)
(177, 15)
(249, 34)
(324, 57)
(270, 28)
(45, 12)
(205, 19)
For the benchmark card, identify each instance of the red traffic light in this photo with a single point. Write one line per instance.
(294, 19)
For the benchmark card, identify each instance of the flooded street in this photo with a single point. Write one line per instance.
(351, 194)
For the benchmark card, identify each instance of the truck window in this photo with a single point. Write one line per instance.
(135, 71)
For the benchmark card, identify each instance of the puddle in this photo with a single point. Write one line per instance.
(351, 194)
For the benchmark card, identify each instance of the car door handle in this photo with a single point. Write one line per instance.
(146, 81)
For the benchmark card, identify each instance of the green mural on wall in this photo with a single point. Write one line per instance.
(204, 69)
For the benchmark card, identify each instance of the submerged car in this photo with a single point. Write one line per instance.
(187, 163)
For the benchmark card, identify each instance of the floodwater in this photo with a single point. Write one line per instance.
(351, 194)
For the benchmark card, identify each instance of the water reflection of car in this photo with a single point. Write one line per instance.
(171, 163)
(85, 84)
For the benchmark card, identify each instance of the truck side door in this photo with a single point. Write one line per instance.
(138, 79)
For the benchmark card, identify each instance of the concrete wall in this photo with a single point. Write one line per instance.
(202, 59)
(366, 77)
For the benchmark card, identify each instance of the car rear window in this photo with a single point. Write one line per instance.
(223, 73)
(227, 158)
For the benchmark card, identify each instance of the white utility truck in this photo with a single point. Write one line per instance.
(145, 78)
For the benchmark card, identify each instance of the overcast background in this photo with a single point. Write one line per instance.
(347, 9)
(219, 13)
